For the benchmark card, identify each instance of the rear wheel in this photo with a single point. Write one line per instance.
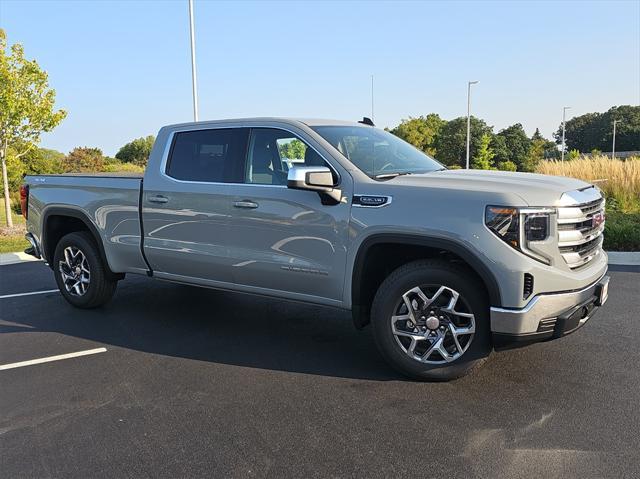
(80, 272)
(431, 320)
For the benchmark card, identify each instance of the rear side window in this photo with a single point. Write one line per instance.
(208, 155)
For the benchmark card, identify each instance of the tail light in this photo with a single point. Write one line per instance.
(24, 200)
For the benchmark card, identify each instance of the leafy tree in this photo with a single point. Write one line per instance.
(451, 143)
(84, 160)
(137, 151)
(534, 155)
(421, 132)
(35, 161)
(293, 149)
(484, 158)
(516, 145)
(26, 107)
(595, 130)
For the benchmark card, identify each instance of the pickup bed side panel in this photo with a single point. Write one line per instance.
(110, 204)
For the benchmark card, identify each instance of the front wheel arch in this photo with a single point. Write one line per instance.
(399, 249)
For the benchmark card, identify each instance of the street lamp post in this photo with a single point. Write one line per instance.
(469, 118)
(194, 83)
(613, 145)
(564, 116)
(371, 97)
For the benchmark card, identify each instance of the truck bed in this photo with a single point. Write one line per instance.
(108, 202)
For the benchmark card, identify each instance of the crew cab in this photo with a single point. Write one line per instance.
(446, 265)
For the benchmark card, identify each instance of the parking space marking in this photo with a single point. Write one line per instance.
(28, 294)
(52, 358)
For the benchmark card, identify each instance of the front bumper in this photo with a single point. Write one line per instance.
(547, 316)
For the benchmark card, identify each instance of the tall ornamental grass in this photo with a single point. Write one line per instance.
(619, 180)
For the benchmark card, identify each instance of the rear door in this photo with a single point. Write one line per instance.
(282, 239)
(186, 206)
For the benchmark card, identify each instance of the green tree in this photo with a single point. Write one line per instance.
(84, 160)
(595, 130)
(293, 149)
(26, 107)
(136, 151)
(451, 143)
(421, 132)
(534, 155)
(516, 145)
(484, 158)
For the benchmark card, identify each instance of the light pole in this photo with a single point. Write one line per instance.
(372, 98)
(469, 118)
(564, 116)
(194, 83)
(613, 145)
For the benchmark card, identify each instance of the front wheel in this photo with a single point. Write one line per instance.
(431, 320)
(80, 272)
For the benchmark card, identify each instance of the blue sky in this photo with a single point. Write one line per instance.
(122, 68)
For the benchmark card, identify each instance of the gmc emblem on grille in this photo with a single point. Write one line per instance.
(597, 220)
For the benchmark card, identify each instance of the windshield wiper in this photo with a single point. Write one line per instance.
(385, 176)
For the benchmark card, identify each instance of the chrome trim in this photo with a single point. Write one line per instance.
(195, 127)
(542, 307)
(577, 197)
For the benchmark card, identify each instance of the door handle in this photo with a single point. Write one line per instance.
(245, 204)
(158, 199)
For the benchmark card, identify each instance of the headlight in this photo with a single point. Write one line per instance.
(519, 227)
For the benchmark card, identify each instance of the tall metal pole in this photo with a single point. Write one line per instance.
(469, 118)
(372, 98)
(564, 116)
(194, 82)
(613, 145)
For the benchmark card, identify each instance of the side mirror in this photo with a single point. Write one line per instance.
(313, 178)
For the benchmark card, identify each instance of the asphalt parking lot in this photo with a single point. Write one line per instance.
(196, 382)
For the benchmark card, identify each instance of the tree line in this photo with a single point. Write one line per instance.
(511, 148)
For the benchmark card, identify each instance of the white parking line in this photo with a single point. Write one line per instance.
(28, 294)
(52, 358)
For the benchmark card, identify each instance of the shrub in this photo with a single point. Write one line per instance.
(507, 166)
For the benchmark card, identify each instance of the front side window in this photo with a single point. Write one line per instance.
(207, 155)
(273, 152)
(376, 152)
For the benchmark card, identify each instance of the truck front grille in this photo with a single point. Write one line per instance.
(580, 230)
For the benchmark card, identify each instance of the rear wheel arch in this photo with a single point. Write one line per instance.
(398, 249)
(60, 221)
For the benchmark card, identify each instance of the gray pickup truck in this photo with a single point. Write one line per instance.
(446, 264)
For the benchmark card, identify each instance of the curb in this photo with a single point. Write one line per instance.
(14, 258)
(624, 258)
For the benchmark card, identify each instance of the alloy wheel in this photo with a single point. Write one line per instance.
(433, 324)
(75, 272)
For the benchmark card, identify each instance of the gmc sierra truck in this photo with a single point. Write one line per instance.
(446, 265)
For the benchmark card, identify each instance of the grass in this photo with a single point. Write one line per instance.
(620, 183)
(12, 240)
(618, 180)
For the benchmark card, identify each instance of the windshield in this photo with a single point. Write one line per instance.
(376, 152)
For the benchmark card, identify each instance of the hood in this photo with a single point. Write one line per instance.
(534, 189)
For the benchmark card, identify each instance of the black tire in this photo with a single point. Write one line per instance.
(431, 272)
(100, 288)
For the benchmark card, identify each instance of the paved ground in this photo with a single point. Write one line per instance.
(197, 382)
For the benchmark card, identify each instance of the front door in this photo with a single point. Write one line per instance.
(282, 239)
